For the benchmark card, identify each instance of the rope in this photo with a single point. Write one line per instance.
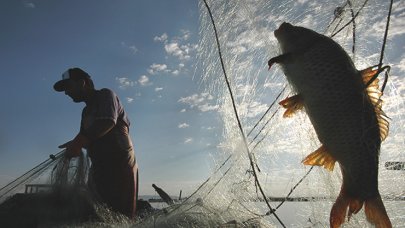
(380, 67)
(295, 186)
(354, 29)
(353, 18)
(236, 113)
(272, 104)
(261, 140)
(203, 184)
(217, 182)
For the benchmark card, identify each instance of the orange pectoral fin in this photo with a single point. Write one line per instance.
(320, 157)
(284, 58)
(292, 104)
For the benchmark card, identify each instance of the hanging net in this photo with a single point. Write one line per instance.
(258, 179)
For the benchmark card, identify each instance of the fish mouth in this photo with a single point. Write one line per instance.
(282, 28)
(276, 33)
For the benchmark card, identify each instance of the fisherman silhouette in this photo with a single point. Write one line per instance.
(104, 132)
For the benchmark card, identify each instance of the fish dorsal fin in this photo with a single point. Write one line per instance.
(375, 94)
(292, 104)
(320, 157)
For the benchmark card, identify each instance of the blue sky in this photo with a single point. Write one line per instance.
(143, 50)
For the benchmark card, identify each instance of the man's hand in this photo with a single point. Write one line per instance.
(74, 147)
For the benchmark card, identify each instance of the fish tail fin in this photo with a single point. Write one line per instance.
(376, 213)
(374, 209)
(339, 209)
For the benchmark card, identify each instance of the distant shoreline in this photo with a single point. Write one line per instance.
(156, 199)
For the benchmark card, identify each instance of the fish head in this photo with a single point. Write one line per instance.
(294, 38)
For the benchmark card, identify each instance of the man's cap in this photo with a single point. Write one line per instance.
(72, 73)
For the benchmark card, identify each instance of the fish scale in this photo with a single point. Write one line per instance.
(346, 119)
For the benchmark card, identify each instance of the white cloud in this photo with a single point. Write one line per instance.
(182, 52)
(397, 24)
(245, 41)
(207, 107)
(273, 85)
(252, 109)
(396, 28)
(144, 80)
(186, 34)
(401, 65)
(244, 88)
(125, 82)
(207, 96)
(183, 110)
(201, 101)
(183, 125)
(156, 68)
(302, 2)
(162, 38)
(173, 49)
(308, 21)
(177, 47)
(181, 68)
(157, 89)
(188, 140)
(394, 103)
(29, 5)
(176, 72)
(192, 100)
(130, 99)
(132, 48)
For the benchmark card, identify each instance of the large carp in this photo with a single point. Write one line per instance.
(345, 111)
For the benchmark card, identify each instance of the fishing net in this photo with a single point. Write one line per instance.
(39, 175)
(55, 193)
(258, 178)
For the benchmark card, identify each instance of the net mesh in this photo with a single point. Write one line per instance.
(264, 184)
(37, 175)
(298, 195)
(55, 193)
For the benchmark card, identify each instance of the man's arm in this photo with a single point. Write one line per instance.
(98, 129)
